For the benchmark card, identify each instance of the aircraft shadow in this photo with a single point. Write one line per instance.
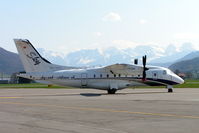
(93, 94)
(133, 93)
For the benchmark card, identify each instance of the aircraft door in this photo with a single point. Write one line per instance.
(84, 79)
(155, 75)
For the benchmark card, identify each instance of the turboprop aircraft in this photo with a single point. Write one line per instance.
(111, 78)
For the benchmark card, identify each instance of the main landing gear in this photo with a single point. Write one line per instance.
(112, 91)
(170, 88)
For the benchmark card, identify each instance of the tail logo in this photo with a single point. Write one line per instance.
(34, 58)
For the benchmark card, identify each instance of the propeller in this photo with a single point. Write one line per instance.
(144, 68)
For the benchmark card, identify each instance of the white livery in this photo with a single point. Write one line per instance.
(110, 78)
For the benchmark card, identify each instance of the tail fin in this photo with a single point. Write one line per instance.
(31, 59)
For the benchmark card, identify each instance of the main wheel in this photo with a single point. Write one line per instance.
(170, 90)
(111, 91)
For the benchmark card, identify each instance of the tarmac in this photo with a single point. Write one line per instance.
(94, 111)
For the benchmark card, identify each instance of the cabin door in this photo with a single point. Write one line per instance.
(84, 79)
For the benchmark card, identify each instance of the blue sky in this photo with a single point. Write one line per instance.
(67, 25)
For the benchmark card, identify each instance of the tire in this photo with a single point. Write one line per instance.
(111, 91)
(170, 90)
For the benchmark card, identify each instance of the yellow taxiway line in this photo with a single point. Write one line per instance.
(102, 110)
(9, 97)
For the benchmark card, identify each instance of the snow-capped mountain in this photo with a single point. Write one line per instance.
(172, 54)
(53, 56)
(111, 55)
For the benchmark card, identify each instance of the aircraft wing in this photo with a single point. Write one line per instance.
(125, 69)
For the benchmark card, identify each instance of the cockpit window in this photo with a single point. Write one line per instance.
(169, 72)
(164, 72)
(172, 72)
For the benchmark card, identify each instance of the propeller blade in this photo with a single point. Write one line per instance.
(144, 60)
(144, 67)
(144, 76)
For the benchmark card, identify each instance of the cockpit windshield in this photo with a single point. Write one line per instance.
(169, 71)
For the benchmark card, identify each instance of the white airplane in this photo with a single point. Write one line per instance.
(111, 78)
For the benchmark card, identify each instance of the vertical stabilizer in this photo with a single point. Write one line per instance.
(31, 59)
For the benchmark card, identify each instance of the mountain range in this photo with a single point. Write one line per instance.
(189, 63)
(9, 62)
(156, 55)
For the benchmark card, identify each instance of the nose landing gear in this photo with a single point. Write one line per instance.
(170, 88)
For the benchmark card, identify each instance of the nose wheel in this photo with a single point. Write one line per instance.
(170, 88)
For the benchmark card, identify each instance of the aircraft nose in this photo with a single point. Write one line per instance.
(179, 80)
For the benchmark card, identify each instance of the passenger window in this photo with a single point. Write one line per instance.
(94, 75)
(100, 75)
(164, 72)
(107, 75)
